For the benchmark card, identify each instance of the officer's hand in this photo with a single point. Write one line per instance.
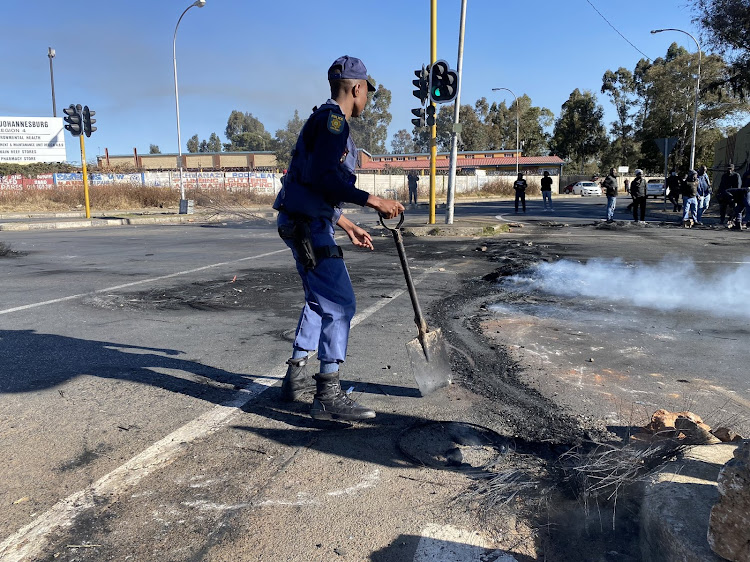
(389, 208)
(360, 237)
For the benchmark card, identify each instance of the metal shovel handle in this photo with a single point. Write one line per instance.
(418, 317)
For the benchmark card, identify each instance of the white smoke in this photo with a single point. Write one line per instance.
(667, 286)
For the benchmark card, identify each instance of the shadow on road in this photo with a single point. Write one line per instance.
(32, 361)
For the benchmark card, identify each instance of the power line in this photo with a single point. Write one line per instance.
(618, 32)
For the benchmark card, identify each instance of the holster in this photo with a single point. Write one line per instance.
(299, 234)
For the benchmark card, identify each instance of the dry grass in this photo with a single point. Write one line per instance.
(111, 197)
(504, 187)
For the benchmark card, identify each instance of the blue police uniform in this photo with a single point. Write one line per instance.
(320, 178)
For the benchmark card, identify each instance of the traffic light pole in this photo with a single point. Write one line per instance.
(85, 178)
(433, 128)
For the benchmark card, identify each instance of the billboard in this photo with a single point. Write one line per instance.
(25, 140)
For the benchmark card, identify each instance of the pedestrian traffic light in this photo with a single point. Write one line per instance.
(73, 120)
(422, 83)
(430, 115)
(421, 119)
(443, 83)
(88, 121)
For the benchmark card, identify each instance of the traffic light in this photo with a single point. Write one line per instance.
(443, 83)
(88, 121)
(430, 115)
(73, 119)
(421, 119)
(422, 83)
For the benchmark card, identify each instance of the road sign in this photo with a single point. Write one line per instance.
(622, 169)
(666, 145)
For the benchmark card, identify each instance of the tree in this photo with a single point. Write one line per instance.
(154, 149)
(667, 88)
(246, 133)
(725, 24)
(402, 142)
(203, 146)
(579, 134)
(193, 144)
(286, 139)
(214, 143)
(370, 130)
(620, 86)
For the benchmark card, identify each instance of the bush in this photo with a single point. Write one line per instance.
(504, 188)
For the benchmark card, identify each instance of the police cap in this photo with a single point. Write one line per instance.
(347, 67)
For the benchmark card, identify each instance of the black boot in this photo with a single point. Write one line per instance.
(296, 382)
(332, 403)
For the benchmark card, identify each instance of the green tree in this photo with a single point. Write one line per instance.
(286, 139)
(370, 130)
(246, 133)
(725, 24)
(214, 143)
(203, 146)
(620, 86)
(154, 149)
(402, 142)
(668, 105)
(193, 144)
(579, 135)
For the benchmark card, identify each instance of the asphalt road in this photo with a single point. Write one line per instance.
(123, 349)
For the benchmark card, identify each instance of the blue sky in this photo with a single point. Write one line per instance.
(270, 58)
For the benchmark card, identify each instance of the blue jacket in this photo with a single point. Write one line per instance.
(321, 174)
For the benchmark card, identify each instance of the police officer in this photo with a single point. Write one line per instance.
(730, 180)
(321, 178)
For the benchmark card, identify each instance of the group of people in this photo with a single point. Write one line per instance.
(695, 189)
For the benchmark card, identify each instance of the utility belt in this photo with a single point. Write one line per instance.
(299, 234)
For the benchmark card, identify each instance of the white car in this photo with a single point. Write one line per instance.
(655, 188)
(583, 188)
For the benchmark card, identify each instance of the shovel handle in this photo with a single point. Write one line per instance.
(418, 317)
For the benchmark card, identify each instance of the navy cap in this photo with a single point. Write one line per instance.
(347, 67)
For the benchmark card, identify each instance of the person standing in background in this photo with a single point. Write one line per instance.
(547, 191)
(704, 193)
(610, 186)
(639, 195)
(413, 180)
(520, 186)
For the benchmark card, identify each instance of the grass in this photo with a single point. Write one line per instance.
(110, 198)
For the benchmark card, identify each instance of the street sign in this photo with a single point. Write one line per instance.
(666, 145)
(622, 169)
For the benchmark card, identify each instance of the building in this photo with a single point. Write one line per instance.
(486, 162)
(264, 161)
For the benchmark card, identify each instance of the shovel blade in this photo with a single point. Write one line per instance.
(430, 363)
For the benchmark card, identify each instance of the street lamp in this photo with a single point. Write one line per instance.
(697, 88)
(517, 127)
(51, 55)
(200, 4)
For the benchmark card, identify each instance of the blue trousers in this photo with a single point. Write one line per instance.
(611, 204)
(689, 208)
(329, 298)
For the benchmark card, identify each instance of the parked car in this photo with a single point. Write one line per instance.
(584, 188)
(655, 188)
(568, 188)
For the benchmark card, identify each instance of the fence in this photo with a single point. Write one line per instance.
(391, 186)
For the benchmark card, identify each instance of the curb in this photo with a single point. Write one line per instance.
(677, 504)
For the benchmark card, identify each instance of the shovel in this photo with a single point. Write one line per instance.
(427, 353)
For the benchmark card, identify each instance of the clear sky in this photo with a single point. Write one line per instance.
(270, 58)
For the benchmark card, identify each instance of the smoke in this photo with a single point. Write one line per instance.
(667, 286)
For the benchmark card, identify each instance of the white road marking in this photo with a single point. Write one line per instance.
(30, 540)
(134, 283)
(369, 481)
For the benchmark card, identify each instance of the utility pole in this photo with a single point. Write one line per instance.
(456, 124)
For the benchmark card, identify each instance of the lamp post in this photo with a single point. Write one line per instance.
(51, 55)
(200, 4)
(515, 99)
(697, 88)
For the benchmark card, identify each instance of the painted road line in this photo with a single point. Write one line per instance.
(135, 283)
(30, 540)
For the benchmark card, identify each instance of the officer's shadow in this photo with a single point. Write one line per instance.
(32, 361)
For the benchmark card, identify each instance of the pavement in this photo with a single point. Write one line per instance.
(676, 502)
